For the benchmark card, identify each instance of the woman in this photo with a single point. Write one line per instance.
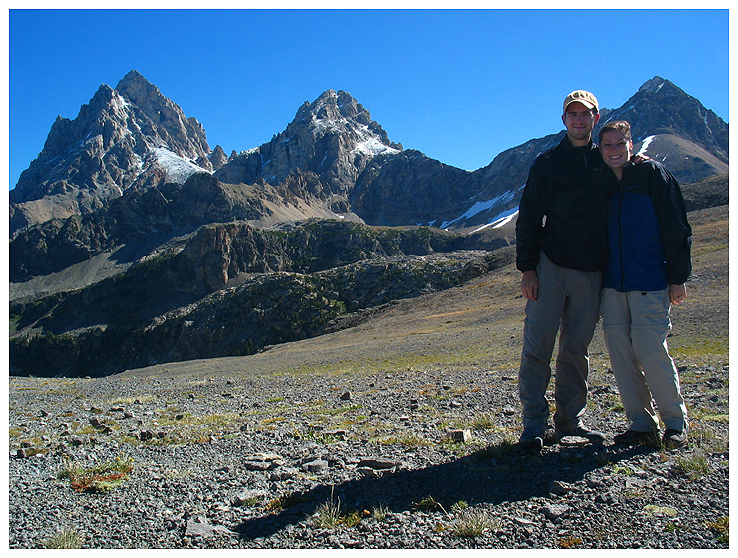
(648, 264)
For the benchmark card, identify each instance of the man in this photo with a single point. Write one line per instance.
(561, 249)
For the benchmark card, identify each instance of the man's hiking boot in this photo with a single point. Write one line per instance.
(637, 437)
(532, 438)
(674, 438)
(581, 432)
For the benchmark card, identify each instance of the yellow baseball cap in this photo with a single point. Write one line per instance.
(584, 97)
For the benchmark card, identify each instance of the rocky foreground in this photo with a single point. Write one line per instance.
(214, 455)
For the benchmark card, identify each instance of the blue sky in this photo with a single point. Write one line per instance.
(459, 85)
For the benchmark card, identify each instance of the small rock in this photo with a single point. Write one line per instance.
(559, 487)
(369, 472)
(554, 512)
(197, 529)
(594, 483)
(257, 465)
(315, 466)
(606, 498)
(346, 396)
(145, 435)
(263, 461)
(461, 435)
(248, 496)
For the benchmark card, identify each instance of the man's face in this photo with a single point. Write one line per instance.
(579, 121)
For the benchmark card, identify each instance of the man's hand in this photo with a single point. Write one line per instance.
(677, 294)
(639, 158)
(529, 285)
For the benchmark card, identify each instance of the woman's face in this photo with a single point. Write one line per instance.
(615, 148)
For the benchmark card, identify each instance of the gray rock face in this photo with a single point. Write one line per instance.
(334, 138)
(183, 136)
(128, 137)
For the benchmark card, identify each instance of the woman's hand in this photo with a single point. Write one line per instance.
(677, 294)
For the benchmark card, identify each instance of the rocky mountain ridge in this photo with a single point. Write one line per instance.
(332, 157)
(233, 289)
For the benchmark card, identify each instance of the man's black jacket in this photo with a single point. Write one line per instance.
(563, 210)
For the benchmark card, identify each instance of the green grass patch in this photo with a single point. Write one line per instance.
(720, 527)
(693, 346)
(65, 539)
(694, 466)
(473, 522)
(99, 478)
(663, 511)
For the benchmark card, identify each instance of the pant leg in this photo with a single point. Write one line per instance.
(650, 327)
(578, 321)
(542, 318)
(628, 372)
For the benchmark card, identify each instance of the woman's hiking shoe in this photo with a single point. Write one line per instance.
(674, 438)
(532, 438)
(581, 432)
(637, 437)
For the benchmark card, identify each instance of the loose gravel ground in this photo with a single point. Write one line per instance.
(403, 460)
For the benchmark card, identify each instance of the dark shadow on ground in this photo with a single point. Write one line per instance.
(493, 475)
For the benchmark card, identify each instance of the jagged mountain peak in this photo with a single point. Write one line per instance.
(660, 85)
(184, 136)
(138, 90)
(660, 108)
(131, 136)
(336, 110)
(333, 137)
(334, 105)
(134, 76)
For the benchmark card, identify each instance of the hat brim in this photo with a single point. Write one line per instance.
(583, 101)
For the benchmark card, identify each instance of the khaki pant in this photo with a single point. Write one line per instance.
(568, 300)
(635, 325)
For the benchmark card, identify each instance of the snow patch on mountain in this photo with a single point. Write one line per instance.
(372, 146)
(501, 220)
(178, 169)
(479, 207)
(646, 143)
